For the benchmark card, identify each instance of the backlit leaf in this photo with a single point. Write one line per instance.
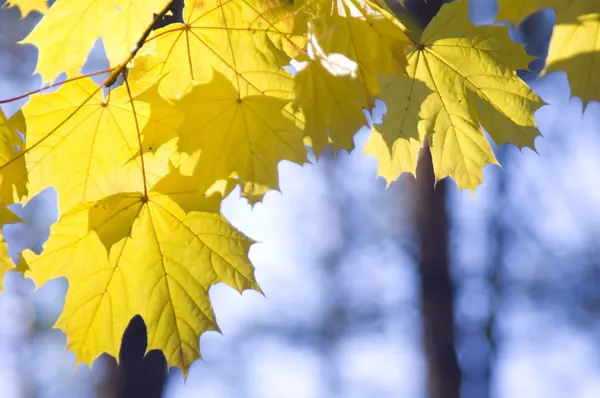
(332, 99)
(94, 138)
(139, 267)
(119, 246)
(243, 135)
(471, 73)
(245, 40)
(366, 34)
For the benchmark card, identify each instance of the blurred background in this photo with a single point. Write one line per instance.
(339, 260)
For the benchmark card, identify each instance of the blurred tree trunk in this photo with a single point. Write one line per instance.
(444, 376)
(139, 375)
(437, 288)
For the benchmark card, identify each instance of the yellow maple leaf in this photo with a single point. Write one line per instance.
(575, 40)
(248, 41)
(94, 138)
(366, 34)
(245, 135)
(331, 98)
(396, 142)
(114, 228)
(470, 72)
(332, 107)
(67, 32)
(236, 51)
(350, 44)
(123, 255)
(27, 6)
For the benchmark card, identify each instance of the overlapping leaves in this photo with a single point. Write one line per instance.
(118, 242)
(69, 29)
(140, 169)
(136, 236)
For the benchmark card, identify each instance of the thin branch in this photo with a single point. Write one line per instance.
(140, 43)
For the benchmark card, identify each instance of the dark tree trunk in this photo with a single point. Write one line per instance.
(138, 375)
(437, 288)
(444, 376)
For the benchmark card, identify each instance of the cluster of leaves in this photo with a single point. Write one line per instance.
(205, 103)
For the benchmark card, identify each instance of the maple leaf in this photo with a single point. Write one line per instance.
(350, 44)
(67, 32)
(331, 98)
(236, 51)
(94, 138)
(139, 266)
(396, 142)
(27, 6)
(248, 41)
(234, 134)
(114, 228)
(575, 40)
(366, 34)
(471, 73)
